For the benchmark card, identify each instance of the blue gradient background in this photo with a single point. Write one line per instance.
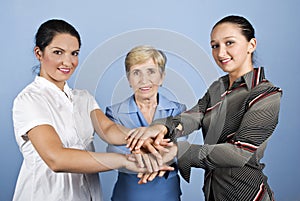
(277, 29)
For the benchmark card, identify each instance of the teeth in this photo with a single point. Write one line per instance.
(225, 60)
(65, 69)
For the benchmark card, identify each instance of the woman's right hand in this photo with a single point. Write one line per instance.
(137, 137)
(167, 158)
(149, 161)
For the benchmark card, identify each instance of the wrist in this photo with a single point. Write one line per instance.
(169, 156)
(122, 161)
(163, 129)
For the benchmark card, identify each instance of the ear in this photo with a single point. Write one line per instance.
(127, 76)
(252, 45)
(38, 53)
(163, 75)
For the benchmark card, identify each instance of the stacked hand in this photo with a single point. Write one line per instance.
(136, 137)
(151, 150)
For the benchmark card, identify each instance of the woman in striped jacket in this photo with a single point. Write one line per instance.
(237, 114)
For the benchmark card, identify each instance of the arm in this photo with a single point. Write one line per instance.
(256, 127)
(108, 130)
(170, 127)
(60, 159)
(186, 122)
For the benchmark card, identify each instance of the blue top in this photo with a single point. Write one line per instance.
(127, 188)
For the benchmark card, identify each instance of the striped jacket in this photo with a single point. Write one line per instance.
(236, 125)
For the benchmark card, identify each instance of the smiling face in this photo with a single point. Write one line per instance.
(231, 50)
(145, 79)
(59, 59)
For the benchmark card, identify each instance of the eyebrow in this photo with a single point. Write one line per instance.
(63, 49)
(227, 37)
(151, 67)
(146, 67)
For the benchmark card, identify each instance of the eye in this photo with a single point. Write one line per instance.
(135, 72)
(75, 53)
(228, 43)
(58, 52)
(151, 71)
(214, 46)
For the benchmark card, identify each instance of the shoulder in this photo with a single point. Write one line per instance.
(218, 84)
(82, 96)
(177, 104)
(81, 92)
(30, 92)
(32, 87)
(258, 83)
(121, 106)
(264, 93)
(170, 104)
(265, 87)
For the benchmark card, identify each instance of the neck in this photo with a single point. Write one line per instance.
(146, 103)
(147, 107)
(59, 84)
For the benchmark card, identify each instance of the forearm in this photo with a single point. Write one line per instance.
(108, 130)
(209, 157)
(213, 156)
(81, 161)
(181, 125)
(115, 134)
(188, 121)
(61, 159)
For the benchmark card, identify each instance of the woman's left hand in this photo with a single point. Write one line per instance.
(167, 159)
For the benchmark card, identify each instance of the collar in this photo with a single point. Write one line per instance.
(46, 83)
(251, 79)
(130, 106)
(255, 77)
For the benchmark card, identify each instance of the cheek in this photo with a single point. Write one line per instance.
(215, 55)
(240, 53)
(159, 81)
(52, 59)
(49, 62)
(237, 51)
(132, 82)
(75, 62)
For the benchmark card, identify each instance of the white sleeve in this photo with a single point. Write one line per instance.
(92, 103)
(29, 110)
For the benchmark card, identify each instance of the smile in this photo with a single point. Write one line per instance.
(145, 88)
(64, 70)
(225, 60)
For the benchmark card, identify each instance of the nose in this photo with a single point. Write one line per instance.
(67, 61)
(143, 77)
(221, 51)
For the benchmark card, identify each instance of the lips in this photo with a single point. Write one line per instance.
(224, 61)
(145, 88)
(64, 70)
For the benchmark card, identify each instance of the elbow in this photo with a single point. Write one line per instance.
(105, 138)
(55, 166)
(55, 163)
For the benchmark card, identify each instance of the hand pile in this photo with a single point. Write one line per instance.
(150, 149)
